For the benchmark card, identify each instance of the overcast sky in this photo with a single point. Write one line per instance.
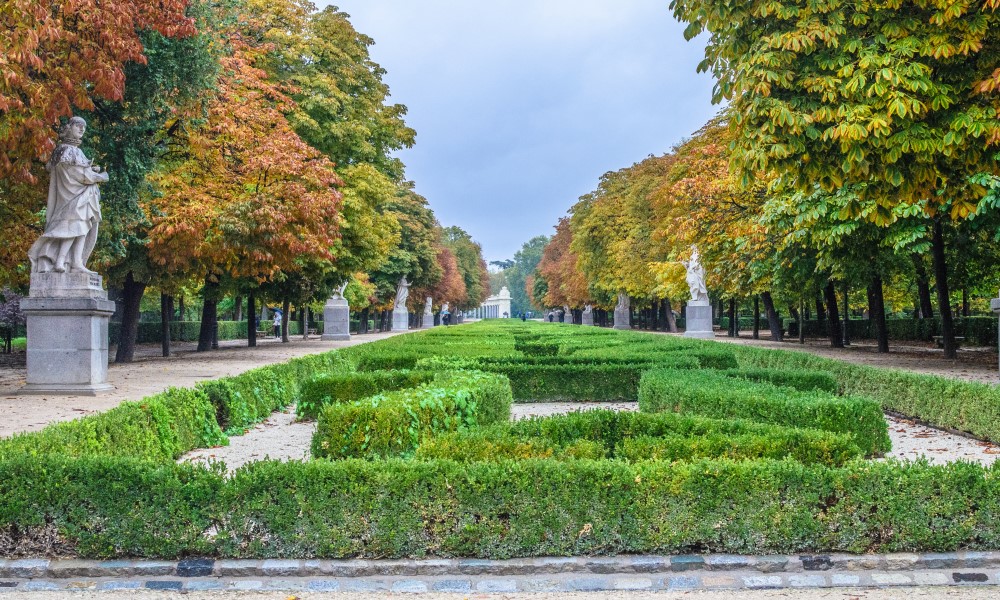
(521, 105)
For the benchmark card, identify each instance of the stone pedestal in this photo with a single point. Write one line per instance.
(587, 317)
(698, 320)
(67, 319)
(428, 321)
(400, 320)
(337, 320)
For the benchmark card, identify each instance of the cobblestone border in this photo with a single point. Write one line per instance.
(692, 572)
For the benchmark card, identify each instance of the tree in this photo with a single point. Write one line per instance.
(242, 196)
(565, 284)
(471, 265)
(524, 264)
(900, 101)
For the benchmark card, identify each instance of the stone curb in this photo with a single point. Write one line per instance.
(690, 572)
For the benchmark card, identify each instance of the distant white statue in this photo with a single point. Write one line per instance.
(74, 206)
(338, 294)
(429, 306)
(402, 294)
(588, 309)
(623, 302)
(696, 277)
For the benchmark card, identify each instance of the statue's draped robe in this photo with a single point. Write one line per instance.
(73, 210)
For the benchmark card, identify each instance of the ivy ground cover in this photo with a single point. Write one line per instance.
(733, 450)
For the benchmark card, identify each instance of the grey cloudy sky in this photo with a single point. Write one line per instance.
(521, 105)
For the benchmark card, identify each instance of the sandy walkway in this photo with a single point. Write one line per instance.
(151, 374)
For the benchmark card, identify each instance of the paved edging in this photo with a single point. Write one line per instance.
(692, 572)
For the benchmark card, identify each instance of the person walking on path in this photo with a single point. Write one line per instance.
(277, 323)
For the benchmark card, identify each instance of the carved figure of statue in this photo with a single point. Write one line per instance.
(74, 206)
(623, 302)
(402, 294)
(588, 308)
(429, 306)
(696, 277)
(338, 294)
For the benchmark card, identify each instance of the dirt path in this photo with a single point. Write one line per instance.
(151, 374)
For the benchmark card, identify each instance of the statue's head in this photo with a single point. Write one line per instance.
(72, 132)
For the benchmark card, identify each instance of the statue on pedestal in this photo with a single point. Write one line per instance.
(74, 206)
(402, 294)
(696, 277)
(338, 294)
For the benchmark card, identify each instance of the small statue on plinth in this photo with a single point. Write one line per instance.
(74, 206)
(402, 294)
(696, 277)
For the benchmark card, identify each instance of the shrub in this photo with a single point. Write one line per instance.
(160, 427)
(532, 383)
(715, 395)
(394, 424)
(799, 379)
(348, 387)
(942, 402)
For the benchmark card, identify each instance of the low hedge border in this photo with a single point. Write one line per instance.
(715, 395)
(106, 507)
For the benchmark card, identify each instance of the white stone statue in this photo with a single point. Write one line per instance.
(338, 294)
(402, 294)
(696, 277)
(429, 306)
(588, 309)
(623, 302)
(74, 206)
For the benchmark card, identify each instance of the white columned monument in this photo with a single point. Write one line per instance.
(587, 316)
(67, 308)
(428, 313)
(698, 317)
(337, 317)
(400, 315)
(623, 310)
(496, 307)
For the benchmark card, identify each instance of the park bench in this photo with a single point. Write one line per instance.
(939, 341)
(312, 331)
(263, 333)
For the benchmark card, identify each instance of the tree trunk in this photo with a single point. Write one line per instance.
(304, 310)
(847, 313)
(820, 309)
(732, 317)
(131, 298)
(165, 314)
(180, 309)
(286, 307)
(965, 302)
(671, 321)
(363, 321)
(944, 299)
(923, 289)
(756, 317)
(773, 320)
(794, 312)
(251, 320)
(876, 312)
(238, 308)
(836, 332)
(209, 315)
(802, 325)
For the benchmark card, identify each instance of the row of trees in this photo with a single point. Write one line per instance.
(250, 146)
(857, 163)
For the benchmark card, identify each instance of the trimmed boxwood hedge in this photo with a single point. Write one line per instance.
(406, 508)
(348, 387)
(601, 483)
(394, 423)
(715, 395)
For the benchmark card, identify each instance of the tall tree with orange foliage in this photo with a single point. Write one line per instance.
(243, 197)
(559, 267)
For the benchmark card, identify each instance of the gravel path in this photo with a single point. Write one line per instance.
(281, 438)
(909, 593)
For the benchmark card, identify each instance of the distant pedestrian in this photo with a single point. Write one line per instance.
(524, 317)
(277, 323)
